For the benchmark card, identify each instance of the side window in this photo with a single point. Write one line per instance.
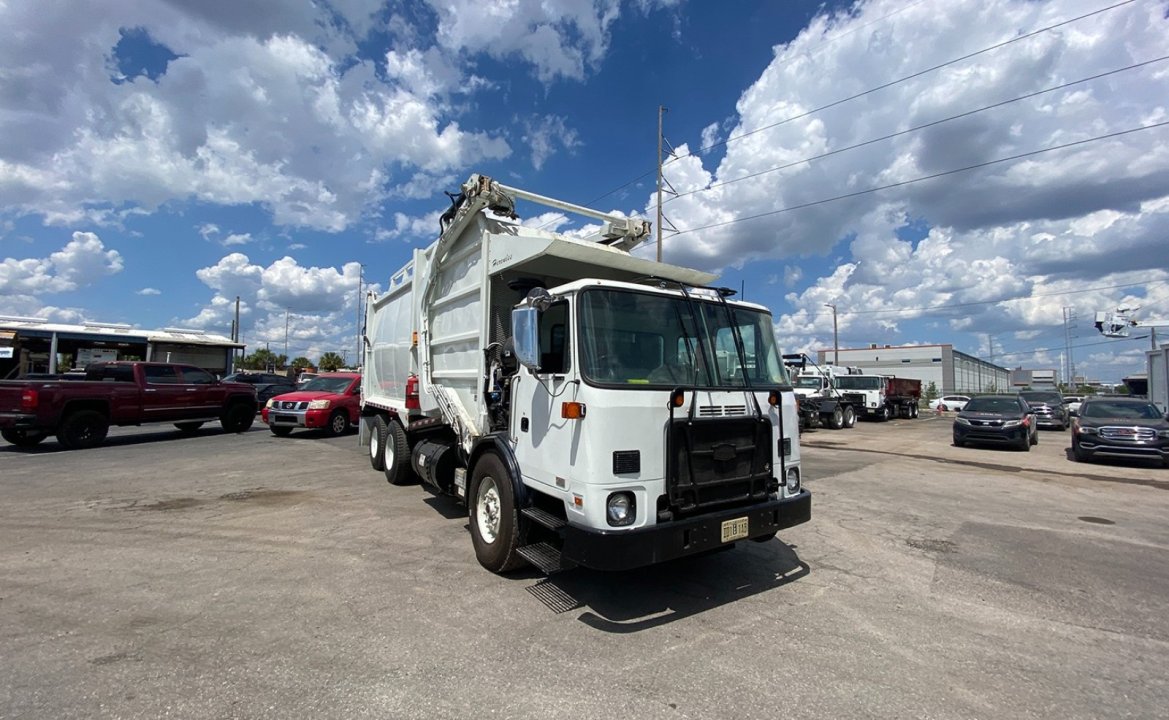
(195, 376)
(554, 339)
(161, 374)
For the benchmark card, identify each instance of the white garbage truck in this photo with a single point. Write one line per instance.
(590, 407)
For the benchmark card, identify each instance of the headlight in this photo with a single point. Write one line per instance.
(270, 403)
(621, 509)
(1012, 423)
(1163, 434)
(1089, 430)
(318, 405)
(961, 421)
(793, 480)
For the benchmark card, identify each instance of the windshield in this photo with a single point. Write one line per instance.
(858, 382)
(328, 384)
(634, 338)
(1050, 398)
(994, 405)
(808, 382)
(1131, 411)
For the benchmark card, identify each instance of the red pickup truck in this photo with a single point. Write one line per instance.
(80, 412)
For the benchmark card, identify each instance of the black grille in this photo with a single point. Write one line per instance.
(855, 398)
(626, 461)
(718, 462)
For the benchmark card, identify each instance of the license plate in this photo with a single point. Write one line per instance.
(736, 529)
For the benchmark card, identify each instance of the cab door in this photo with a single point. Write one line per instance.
(204, 395)
(164, 396)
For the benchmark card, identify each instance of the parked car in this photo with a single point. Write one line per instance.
(304, 377)
(1120, 427)
(1050, 410)
(1073, 404)
(331, 401)
(997, 420)
(950, 402)
(268, 385)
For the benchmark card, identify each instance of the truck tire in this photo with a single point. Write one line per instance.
(83, 429)
(837, 421)
(338, 423)
(237, 418)
(23, 438)
(495, 526)
(280, 430)
(885, 414)
(189, 427)
(396, 456)
(377, 443)
(913, 412)
(849, 416)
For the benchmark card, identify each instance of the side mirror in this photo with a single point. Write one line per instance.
(525, 333)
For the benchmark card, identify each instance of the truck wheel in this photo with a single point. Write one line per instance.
(495, 528)
(885, 413)
(913, 412)
(338, 423)
(83, 429)
(849, 416)
(23, 438)
(377, 443)
(237, 418)
(280, 430)
(837, 421)
(189, 427)
(396, 457)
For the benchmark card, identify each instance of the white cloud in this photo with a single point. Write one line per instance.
(82, 261)
(148, 291)
(545, 134)
(236, 239)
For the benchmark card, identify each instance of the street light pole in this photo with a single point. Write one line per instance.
(835, 336)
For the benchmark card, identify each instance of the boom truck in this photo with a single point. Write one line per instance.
(881, 397)
(588, 406)
(818, 396)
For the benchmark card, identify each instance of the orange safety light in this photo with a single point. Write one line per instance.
(572, 410)
(773, 398)
(414, 339)
(678, 397)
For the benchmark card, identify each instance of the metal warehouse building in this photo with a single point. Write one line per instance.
(34, 345)
(949, 370)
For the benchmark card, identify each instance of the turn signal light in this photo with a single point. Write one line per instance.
(678, 398)
(572, 410)
(414, 339)
(773, 398)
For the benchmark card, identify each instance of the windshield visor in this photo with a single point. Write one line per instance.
(631, 338)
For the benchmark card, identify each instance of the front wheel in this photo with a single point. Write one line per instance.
(885, 414)
(280, 430)
(189, 427)
(23, 438)
(495, 529)
(837, 421)
(238, 417)
(83, 429)
(338, 423)
(849, 416)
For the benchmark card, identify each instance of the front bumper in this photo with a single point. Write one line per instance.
(990, 435)
(625, 550)
(296, 418)
(1153, 450)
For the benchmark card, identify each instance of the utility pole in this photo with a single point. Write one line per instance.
(658, 226)
(1069, 319)
(835, 336)
(360, 282)
(286, 334)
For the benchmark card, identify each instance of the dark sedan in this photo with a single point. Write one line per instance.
(1120, 427)
(1050, 408)
(997, 420)
(268, 385)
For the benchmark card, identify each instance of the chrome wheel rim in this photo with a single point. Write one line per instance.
(388, 453)
(373, 443)
(487, 510)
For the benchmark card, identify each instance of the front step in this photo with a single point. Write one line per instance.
(544, 557)
(543, 517)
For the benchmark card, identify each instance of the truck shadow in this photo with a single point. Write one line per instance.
(138, 437)
(637, 600)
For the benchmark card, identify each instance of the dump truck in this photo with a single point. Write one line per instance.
(881, 397)
(819, 399)
(588, 406)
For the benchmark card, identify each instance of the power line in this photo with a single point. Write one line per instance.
(918, 127)
(903, 79)
(902, 183)
(1060, 349)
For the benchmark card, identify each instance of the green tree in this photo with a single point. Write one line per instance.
(263, 359)
(301, 363)
(931, 391)
(330, 362)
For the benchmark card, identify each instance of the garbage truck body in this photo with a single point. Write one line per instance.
(590, 407)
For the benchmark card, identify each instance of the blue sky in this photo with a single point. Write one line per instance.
(162, 157)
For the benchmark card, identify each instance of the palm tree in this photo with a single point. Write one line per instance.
(330, 362)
